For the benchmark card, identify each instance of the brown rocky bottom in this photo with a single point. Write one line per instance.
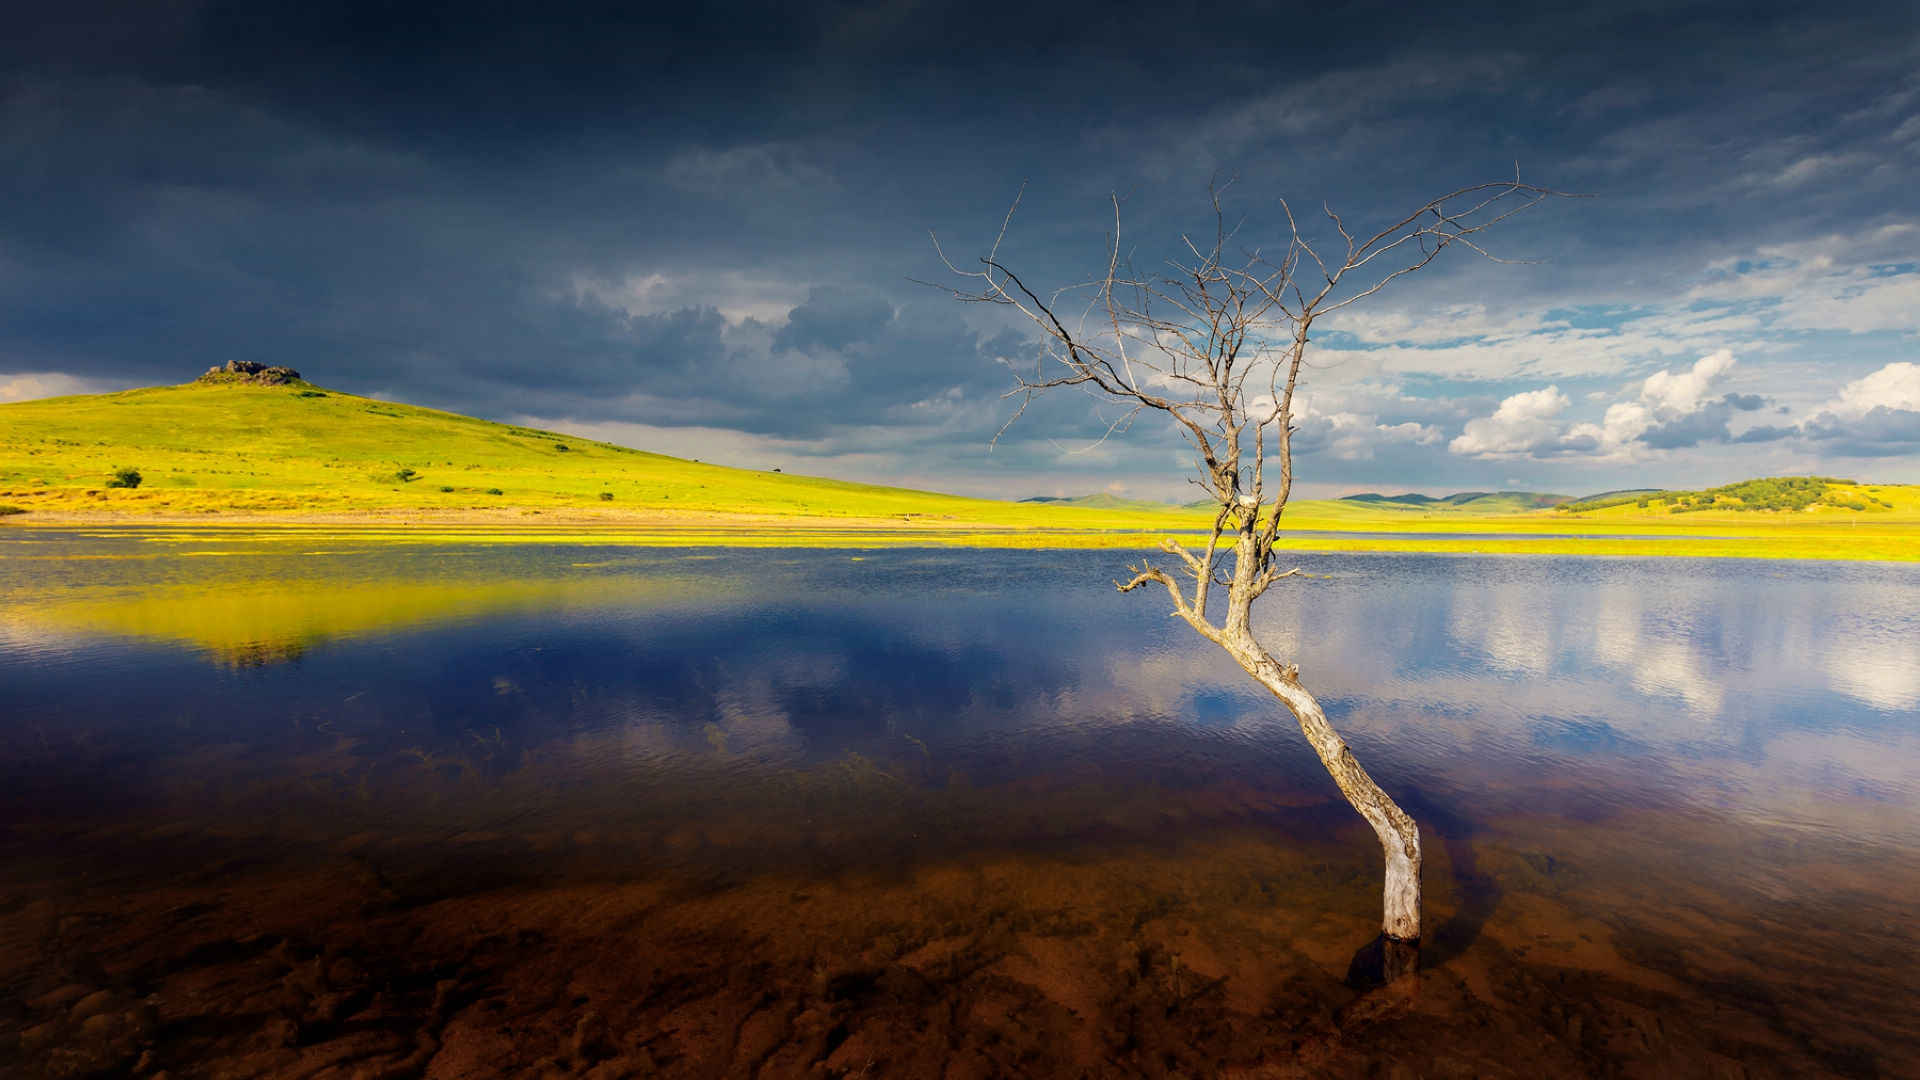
(1232, 958)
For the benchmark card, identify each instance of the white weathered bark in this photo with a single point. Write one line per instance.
(1199, 346)
(1399, 835)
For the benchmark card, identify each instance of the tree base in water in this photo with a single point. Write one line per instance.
(1383, 960)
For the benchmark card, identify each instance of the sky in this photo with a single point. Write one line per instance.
(705, 232)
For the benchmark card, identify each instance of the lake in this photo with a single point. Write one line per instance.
(301, 805)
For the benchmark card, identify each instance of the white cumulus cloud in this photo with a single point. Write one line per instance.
(1896, 386)
(1674, 408)
(1877, 415)
(1624, 422)
(1522, 423)
(1680, 393)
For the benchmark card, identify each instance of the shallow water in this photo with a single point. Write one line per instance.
(466, 810)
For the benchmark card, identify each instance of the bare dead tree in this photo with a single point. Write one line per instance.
(1214, 343)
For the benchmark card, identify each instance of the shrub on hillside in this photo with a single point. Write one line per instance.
(606, 496)
(125, 478)
(7, 509)
(495, 491)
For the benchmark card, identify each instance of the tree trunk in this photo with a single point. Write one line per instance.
(1399, 836)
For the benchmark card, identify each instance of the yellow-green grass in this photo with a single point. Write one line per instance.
(301, 450)
(1892, 542)
(299, 453)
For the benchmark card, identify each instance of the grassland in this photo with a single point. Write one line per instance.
(251, 463)
(299, 449)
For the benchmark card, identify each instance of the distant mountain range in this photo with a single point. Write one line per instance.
(1609, 498)
(1476, 501)
(1481, 502)
(1100, 502)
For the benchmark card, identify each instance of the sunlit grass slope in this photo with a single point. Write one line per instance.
(303, 449)
(1779, 500)
(212, 452)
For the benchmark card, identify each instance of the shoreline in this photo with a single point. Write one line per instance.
(1816, 541)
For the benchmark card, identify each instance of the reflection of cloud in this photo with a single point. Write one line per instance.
(1884, 678)
(1731, 683)
(1670, 667)
(1524, 628)
(1661, 655)
(1506, 623)
(1886, 764)
(1519, 636)
(754, 702)
(1616, 624)
(1701, 676)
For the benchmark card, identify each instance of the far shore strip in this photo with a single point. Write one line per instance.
(1841, 541)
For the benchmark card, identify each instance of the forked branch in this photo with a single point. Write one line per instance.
(1185, 342)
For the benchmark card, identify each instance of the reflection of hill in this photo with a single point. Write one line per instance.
(259, 623)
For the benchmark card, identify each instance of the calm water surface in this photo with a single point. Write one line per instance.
(463, 810)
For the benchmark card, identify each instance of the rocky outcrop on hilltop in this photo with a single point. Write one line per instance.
(248, 371)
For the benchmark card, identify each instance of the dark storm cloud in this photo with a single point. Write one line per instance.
(840, 359)
(451, 204)
(1765, 433)
(1705, 424)
(1881, 432)
(833, 320)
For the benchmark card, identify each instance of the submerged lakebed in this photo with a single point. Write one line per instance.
(463, 809)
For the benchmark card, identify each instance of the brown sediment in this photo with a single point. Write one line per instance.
(1228, 955)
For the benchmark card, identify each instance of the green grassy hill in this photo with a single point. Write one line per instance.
(235, 446)
(1789, 496)
(236, 451)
